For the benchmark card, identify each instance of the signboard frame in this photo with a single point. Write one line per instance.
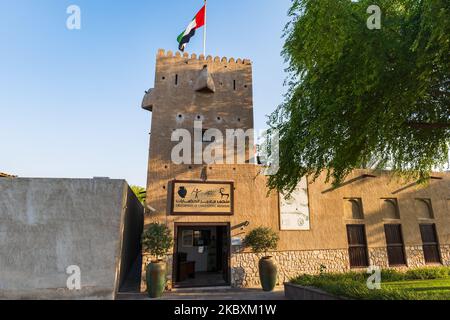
(205, 213)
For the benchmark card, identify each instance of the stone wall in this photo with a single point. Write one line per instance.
(244, 266)
(445, 255)
(244, 269)
(378, 257)
(414, 256)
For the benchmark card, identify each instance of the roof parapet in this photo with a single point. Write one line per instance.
(169, 54)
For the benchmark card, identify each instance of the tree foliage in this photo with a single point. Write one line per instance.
(261, 240)
(140, 193)
(157, 240)
(363, 98)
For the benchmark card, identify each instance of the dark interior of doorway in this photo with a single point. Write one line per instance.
(201, 257)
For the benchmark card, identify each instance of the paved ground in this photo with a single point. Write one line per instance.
(212, 294)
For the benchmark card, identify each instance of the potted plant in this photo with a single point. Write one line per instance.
(156, 240)
(261, 240)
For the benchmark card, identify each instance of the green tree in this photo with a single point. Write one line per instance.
(157, 240)
(140, 193)
(363, 98)
(262, 240)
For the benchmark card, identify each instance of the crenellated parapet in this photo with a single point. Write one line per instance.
(184, 78)
(194, 57)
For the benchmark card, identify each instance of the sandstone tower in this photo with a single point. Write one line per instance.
(216, 91)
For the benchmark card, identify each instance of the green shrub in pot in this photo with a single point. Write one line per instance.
(261, 240)
(157, 240)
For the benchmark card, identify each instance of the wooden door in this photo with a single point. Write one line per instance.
(430, 243)
(357, 246)
(395, 245)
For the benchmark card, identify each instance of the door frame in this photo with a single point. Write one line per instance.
(175, 248)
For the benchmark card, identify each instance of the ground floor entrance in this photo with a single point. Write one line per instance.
(201, 255)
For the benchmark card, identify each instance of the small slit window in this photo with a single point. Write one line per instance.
(234, 85)
(176, 79)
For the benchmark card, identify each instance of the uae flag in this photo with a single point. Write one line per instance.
(186, 35)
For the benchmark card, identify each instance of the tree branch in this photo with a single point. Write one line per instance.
(424, 125)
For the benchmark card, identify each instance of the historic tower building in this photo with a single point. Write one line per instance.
(206, 206)
(370, 219)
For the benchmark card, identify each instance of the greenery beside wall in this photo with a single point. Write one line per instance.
(415, 284)
(360, 98)
(140, 193)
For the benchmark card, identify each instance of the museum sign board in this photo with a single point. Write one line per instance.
(202, 198)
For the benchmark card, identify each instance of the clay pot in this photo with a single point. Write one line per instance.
(267, 273)
(156, 278)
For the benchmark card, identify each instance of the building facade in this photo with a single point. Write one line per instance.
(371, 219)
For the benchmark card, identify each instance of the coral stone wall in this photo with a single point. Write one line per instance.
(445, 255)
(244, 266)
(290, 264)
(378, 257)
(414, 256)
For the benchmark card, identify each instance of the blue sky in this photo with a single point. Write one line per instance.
(70, 100)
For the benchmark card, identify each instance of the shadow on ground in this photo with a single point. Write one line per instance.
(212, 294)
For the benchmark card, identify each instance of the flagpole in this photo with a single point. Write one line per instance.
(204, 32)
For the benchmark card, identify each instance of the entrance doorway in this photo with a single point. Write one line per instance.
(201, 255)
